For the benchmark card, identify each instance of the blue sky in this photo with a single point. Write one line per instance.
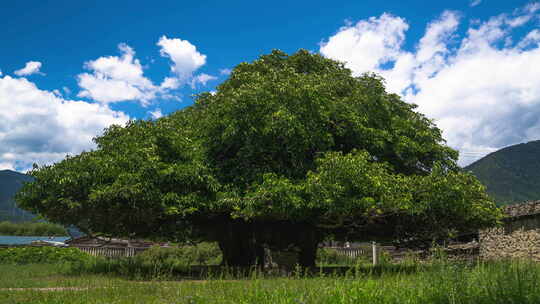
(71, 68)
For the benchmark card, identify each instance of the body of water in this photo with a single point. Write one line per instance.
(22, 240)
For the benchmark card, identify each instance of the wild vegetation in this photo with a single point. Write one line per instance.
(42, 255)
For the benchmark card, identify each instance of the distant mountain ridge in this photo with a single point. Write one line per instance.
(10, 183)
(512, 174)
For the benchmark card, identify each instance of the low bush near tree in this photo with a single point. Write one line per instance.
(42, 255)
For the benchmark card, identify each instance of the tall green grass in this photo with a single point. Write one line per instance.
(435, 282)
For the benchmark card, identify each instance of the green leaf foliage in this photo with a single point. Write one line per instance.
(288, 151)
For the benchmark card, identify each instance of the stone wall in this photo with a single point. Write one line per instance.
(516, 239)
(522, 209)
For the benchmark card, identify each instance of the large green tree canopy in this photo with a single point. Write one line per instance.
(288, 151)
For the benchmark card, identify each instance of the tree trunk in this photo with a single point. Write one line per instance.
(308, 254)
(238, 245)
(308, 245)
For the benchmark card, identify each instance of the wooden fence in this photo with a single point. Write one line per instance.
(112, 252)
(365, 250)
(352, 252)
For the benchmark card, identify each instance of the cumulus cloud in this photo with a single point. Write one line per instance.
(31, 67)
(184, 55)
(121, 78)
(170, 83)
(38, 126)
(117, 78)
(481, 89)
(201, 79)
(367, 44)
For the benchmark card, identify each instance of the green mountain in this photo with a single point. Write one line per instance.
(10, 183)
(512, 174)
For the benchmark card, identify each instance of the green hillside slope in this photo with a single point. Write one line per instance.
(512, 174)
(10, 183)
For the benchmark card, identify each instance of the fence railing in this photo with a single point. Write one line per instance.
(111, 252)
(366, 251)
(352, 252)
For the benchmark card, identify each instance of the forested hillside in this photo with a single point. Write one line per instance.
(10, 183)
(512, 174)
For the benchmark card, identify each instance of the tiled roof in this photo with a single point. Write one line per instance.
(522, 209)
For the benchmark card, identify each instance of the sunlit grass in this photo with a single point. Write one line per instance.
(438, 282)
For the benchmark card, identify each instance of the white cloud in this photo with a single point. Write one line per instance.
(225, 72)
(31, 67)
(438, 32)
(6, 166)
(201, 79)
(39, 126)
(156, 114)
(482, 90)
(532, 7)
(368, 44)
(474, 3)
(121, 78)
(170, 83)
(184, 55)
(532, 39)
(115, 79)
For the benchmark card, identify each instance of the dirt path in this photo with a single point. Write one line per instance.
(166, 283)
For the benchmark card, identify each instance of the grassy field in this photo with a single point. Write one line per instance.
(502, 282)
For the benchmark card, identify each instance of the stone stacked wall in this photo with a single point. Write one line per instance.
(516, 240)
(522, 209)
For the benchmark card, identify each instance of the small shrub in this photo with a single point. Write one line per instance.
(385, 258)
(184, 256)
(285, 259)
(41, 255)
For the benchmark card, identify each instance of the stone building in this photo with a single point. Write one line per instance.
(518, 237)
